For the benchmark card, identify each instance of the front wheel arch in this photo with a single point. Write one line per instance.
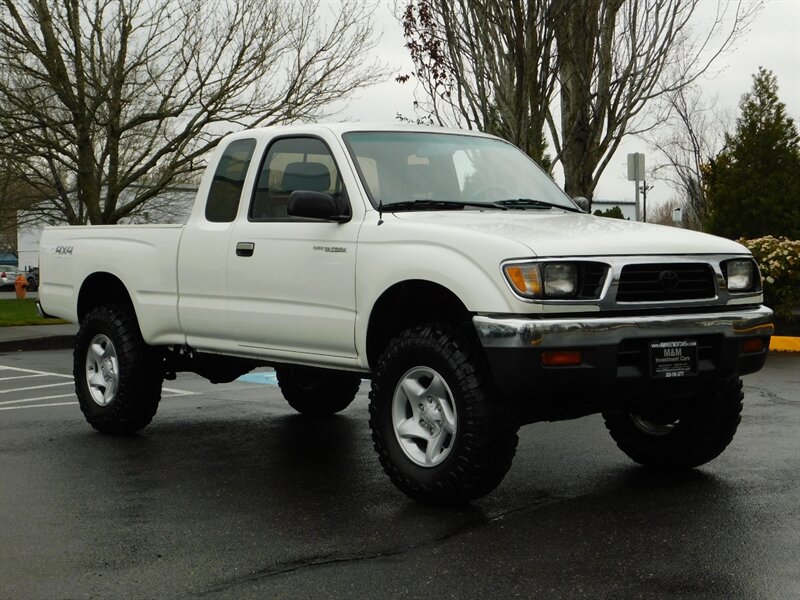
(409, 304)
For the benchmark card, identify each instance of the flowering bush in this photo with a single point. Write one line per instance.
(779, 261)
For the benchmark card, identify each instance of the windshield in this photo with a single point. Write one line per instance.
(404, 168)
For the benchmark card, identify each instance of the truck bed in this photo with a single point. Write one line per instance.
(144, 257)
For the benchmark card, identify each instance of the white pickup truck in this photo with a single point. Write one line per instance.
(443, 265)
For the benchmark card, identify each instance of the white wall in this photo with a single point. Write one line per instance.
(28, 246)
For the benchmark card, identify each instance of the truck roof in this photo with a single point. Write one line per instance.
(341, 128)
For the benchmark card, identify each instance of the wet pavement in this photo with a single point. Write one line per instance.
(229, 494)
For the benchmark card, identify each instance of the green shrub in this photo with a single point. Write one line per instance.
(615, 212)
(779, 261)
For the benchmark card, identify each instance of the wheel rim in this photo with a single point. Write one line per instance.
(653, 427)
(424, 416)
(102, 370)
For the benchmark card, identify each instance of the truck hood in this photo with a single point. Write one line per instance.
(559, 233)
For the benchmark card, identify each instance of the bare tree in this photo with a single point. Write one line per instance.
(693, 134)
(663, 213)
(484, 65)
(8, 214)
(617, 57)
(105, 104)
(612, 59)
(15, 196)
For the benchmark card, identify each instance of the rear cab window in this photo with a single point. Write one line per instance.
(226, 186)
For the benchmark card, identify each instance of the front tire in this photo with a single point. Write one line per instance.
(317, 392)
(692, 433)
(118, 376)
(441, 435)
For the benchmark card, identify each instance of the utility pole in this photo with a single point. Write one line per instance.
(645, 188)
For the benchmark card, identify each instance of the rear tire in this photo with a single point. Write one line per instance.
(317, 392)
(696, 432)
(441, 435)
(118, 376)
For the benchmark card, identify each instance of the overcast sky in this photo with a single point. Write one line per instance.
(773, 42)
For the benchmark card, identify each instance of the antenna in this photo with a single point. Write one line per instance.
(380, 211)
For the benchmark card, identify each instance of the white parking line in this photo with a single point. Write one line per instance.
(35, 387)
(176, 393)
(28, 402)
(39, 405)
(23, 376)
(21, 370)
(36, 399)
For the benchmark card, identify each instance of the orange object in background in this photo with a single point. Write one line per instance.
(20, 286)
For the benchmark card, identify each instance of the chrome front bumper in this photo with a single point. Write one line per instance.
(587, 332)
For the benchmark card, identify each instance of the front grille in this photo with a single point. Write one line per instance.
(669, 281)
(591, 276)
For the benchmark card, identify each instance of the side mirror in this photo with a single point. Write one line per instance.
(314, 205)
(582, 203)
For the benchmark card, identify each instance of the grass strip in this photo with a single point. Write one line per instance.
(22, 312)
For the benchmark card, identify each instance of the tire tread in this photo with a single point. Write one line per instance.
(708, 427)
(140, 372)
(487, 427)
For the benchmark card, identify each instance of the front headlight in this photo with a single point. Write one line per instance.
(557, 280)
(741, 275)
(560, 280)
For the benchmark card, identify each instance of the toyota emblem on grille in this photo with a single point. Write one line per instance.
(668, 280)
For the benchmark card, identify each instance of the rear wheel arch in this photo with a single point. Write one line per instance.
(100, 289)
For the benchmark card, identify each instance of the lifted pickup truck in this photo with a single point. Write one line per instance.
(443, 265)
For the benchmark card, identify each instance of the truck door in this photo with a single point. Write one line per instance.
(291, 281)
(202, 262)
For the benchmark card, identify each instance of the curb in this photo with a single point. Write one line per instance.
(781, 343)
(58, 342)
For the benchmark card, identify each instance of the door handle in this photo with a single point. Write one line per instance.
(245, 248)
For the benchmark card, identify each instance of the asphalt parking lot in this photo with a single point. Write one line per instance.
(229, 494)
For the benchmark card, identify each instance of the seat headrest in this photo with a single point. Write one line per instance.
(309, 176)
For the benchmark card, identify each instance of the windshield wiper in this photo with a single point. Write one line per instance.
(437, 205)
(524, 203)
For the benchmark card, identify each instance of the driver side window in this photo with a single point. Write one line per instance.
(293, 164)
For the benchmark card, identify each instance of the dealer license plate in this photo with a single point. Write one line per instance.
(673, 359)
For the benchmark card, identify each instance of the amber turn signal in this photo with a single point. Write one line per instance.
(561, 358)
(525, 279)
(752, 346)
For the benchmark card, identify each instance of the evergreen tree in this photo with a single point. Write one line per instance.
(615, 212)
(753, 185)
